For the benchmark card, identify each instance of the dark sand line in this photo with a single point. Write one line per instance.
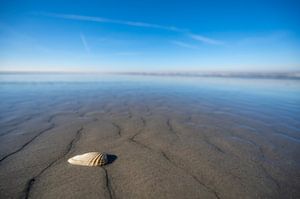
(163, 154)
(216, 147)
(108, 184)
(168, 159)
(170, 127)
(130, 115)
(188, 173)
(50, 119)
(28, 142)
(253, 166)
(139, 143)
(119, 130)
(132, 138)
(261, 163)
(30, 182)
(261, 154)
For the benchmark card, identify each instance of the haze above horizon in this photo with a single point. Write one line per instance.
(150, 35)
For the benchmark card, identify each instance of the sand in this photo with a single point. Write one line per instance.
(163, 144)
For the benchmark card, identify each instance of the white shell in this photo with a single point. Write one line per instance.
(89, 159)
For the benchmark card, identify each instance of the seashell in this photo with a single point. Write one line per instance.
(91, 159)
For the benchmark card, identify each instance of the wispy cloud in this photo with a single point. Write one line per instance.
(114, 21)
(206, 40)
(184, 31)
(84, 43)
(184, 45)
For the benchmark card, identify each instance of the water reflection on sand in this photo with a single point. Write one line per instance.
(174, 137)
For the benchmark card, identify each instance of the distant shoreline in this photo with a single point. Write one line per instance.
(258, 75)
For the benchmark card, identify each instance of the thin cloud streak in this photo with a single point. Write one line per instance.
(84, 43)
(184, 45)
(107, 20)
(187, 32)
(205, 39)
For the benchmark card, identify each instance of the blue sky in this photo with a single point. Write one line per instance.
(149, 35)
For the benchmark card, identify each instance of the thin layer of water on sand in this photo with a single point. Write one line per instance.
(172, 138)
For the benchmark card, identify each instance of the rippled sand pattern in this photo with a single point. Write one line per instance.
(170, 142)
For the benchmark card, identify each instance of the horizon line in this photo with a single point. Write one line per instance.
(153, 71)
(221, 74)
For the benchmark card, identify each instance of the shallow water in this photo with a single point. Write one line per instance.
(227, 137)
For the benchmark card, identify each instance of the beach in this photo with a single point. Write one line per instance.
(174, 138)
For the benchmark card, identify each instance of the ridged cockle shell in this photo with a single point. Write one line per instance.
(89, 159)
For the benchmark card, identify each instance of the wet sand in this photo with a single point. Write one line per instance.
(167, 142)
